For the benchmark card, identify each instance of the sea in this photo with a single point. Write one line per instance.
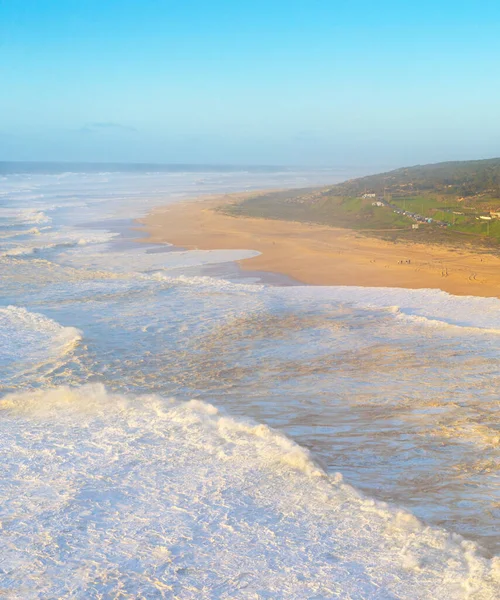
(174, 427)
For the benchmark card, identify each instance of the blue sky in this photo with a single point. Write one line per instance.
(317, 82)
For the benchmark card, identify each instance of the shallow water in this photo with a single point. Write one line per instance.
(396, 390)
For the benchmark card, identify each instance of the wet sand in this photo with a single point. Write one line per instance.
(320, 255)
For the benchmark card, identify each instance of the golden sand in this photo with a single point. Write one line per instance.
(320, 255)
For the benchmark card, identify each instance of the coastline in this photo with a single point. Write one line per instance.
(321, 255)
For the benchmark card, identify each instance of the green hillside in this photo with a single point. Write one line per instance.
(459, 178)
(453, 202)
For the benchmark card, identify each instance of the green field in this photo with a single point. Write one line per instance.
(336, 211)
(453, 195)
(463, 216)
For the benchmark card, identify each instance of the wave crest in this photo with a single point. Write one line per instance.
(31, 341)
(145, 496)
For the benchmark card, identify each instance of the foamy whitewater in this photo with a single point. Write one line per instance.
(171, 427)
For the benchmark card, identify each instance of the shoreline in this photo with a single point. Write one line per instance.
(321, 255)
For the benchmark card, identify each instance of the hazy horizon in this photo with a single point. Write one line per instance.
(61, 166)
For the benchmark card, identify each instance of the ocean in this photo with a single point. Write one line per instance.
(174, 427)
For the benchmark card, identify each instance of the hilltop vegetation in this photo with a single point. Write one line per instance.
(464, 179)
(452, 202)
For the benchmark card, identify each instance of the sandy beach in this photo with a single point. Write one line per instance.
(319, 255)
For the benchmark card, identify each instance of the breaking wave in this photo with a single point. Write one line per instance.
(150, 497)
(110, 495)
(25, 216)
(30, 341)
(403, 316)
(204, 281)
(64, 238)
(434, 307)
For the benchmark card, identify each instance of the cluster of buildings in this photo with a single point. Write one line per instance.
(416, 217)
(493, 215)
(419, 218)
(381, 201)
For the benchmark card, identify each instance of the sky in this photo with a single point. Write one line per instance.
(299, 82)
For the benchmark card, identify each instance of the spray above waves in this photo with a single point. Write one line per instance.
(145, 496)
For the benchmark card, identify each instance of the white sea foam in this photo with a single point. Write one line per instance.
(65, 237)
(396, 388)
(146, 497)
(31, 342)
(21, 232)
(139, 260)
(203, 281)
(432, 305)
(25, 216)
